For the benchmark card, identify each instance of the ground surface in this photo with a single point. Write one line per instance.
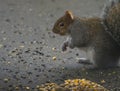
(26, 43)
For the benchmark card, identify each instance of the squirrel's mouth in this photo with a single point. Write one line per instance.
(59, 33)
(55, 31)
(62, 34)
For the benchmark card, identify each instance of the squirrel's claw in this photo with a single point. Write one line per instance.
(64, 46)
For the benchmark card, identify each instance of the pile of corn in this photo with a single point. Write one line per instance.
(73, 85)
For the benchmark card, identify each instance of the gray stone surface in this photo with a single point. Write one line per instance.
(26, 45)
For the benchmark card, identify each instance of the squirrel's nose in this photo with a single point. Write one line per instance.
(54, 30)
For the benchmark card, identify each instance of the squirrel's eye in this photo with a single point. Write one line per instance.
(61, 24)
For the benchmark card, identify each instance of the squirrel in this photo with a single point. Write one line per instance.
(98, 36)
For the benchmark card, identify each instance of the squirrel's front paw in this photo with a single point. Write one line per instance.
(67, 44)
(64, 46)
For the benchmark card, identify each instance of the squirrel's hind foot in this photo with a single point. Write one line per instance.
(84, 61)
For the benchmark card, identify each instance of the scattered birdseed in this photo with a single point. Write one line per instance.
(54, 58)
(73, 85)
(6, 80)
(102, 81)
(27, 88)
(53, 48)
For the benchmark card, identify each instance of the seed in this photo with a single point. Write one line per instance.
(6, 80)
(53, 48)
(102, 81)
(16, 88)
(37, 86)
(54, 58)
(27, 88)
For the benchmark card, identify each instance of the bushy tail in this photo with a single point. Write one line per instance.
(108, 6)
(111, 19)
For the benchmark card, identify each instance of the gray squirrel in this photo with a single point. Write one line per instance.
(100, 37)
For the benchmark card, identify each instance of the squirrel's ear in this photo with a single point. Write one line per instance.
(69, 14)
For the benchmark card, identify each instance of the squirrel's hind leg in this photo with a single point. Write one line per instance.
(106, 59)
(89, 59)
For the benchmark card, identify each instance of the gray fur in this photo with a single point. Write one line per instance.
(102, 50)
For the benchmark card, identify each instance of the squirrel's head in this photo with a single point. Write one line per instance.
(62, 24)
